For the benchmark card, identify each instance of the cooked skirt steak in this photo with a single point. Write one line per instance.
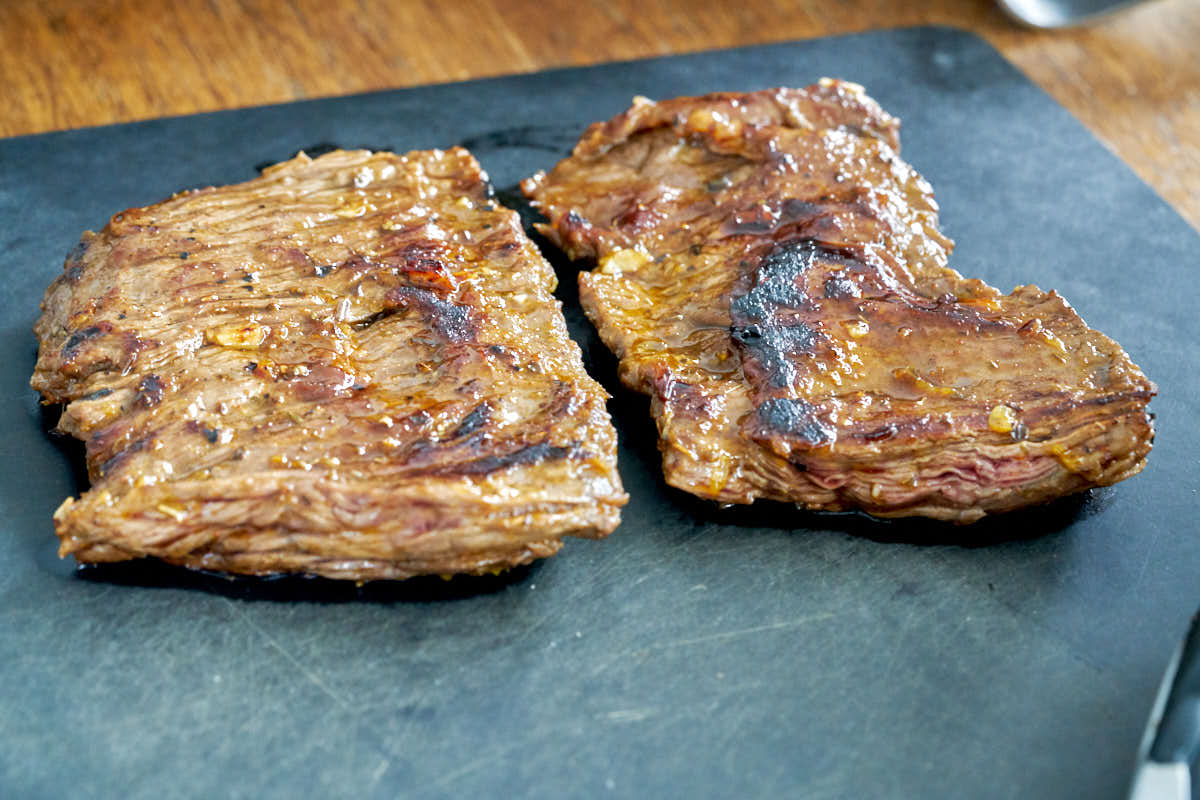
(771, 273)
(351, 366)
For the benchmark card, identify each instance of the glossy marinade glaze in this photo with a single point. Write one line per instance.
(351, 366)
(771, 273)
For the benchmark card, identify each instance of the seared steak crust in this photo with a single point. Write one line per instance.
(771, 273)
(351, 366)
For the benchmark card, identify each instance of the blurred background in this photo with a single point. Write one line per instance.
(1133, 78)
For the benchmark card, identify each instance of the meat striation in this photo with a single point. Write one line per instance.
(351, 366)
(771, 273)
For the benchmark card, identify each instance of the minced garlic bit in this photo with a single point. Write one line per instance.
(1002, 419)
(853, 88)
(178, 514)
(858, 328)
(717, 123)
(243, 337)
(621, 260)
(353, 205)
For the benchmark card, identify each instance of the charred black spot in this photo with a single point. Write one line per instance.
(773, 347)
(80, 336)
(211, 434)
(533, 454)
(184, 255)
(472, 422)
(74, 261)
(795, 418)
(96, 395)
(367, 322)
(149, 392)
(251, 366)
(449, 320)
(321, 270)
(115, 460)
(793, 338)
(776, 281)
(78, 250)
(764, 322)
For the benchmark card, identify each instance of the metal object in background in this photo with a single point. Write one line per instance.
(1168, 767)
(1061, 13)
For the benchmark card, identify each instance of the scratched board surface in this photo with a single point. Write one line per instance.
(696, 652)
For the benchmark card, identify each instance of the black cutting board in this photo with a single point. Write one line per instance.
(695, 653)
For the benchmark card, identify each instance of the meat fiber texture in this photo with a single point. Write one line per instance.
(351, 366)
(771, 273)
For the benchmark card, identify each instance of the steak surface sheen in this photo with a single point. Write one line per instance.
(771, 273)
(351, 366)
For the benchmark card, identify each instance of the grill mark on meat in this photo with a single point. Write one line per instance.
(476, 419)
(112, 462)
(378, 316)
(769, 341)
(527, 456)
(75, 266)
(795, 418)
(71, 348)
(775, 281)
(451, 321)
(771, 348)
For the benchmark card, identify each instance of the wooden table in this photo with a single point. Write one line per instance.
(1133, 79)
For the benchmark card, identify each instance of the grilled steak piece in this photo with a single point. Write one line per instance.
(351, 366)
(771, 273)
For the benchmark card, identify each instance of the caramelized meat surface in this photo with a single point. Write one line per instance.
(771, 273)
(351, 366)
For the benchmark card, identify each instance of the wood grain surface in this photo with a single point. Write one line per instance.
(1133, 79)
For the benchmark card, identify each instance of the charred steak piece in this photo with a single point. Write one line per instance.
(351, 366)
(771, 273)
